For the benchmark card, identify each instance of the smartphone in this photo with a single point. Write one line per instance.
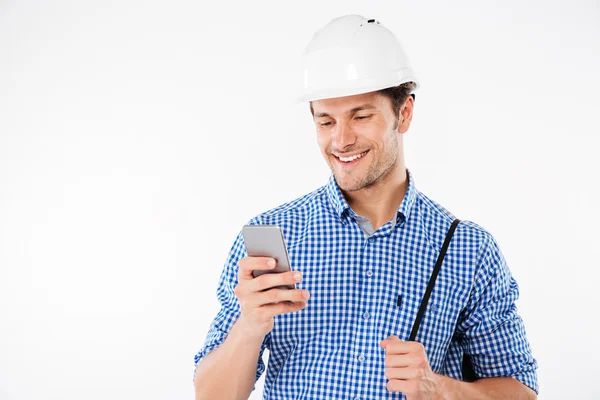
(267, 241)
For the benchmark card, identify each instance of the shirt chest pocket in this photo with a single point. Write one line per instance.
(441, 314)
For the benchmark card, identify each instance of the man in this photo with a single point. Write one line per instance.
(365, 245)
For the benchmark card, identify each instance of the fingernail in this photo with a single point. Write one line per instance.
(306, 295)
(271, 263)
(297, 276)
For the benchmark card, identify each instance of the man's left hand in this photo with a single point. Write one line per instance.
(408, 370)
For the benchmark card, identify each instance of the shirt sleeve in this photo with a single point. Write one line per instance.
(490, 329)
(229, 309)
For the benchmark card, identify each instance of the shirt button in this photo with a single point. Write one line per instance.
(366, 315)
(361, 358)
(369, 273)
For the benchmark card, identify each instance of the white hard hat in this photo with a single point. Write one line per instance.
(352, 55)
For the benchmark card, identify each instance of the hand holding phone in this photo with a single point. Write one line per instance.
(265, 291)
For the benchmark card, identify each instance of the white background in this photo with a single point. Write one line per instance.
(136, 138)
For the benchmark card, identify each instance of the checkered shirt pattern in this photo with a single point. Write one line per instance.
(330, 349)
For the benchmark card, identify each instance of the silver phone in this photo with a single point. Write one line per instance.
(267, 241)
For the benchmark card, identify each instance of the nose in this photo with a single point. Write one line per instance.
(342, 136)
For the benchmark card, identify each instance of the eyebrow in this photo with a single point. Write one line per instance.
(352, 111)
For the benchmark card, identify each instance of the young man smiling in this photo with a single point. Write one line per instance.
(366, 244)
(360, 138)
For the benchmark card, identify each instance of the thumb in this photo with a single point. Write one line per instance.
(392, 338)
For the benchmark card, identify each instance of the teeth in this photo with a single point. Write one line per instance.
(348, 159)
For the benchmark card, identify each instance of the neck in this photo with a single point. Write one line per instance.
(380, 201)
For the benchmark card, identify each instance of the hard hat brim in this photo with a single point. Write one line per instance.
(360, 87)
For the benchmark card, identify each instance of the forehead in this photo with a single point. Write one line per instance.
(348, 104)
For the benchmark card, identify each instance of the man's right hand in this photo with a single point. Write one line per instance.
(259, 305)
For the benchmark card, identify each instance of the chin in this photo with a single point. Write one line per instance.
(349, 183)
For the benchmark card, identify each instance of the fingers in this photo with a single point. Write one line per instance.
(392, 338)
(276, 296)
(249, 264)
(267, 281)
(398, 346)
(394, 360)
(264, 281)
(404, 373)
(409, 387)
(272, 310)
(260, 299)
(256, 292)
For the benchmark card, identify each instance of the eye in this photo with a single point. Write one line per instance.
(364, 116)
(325, 124)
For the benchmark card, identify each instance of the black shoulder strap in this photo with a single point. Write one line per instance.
(434, 274)
(468, 374)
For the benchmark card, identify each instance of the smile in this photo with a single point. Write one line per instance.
(352, 158)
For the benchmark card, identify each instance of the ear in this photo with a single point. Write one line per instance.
(405, 114)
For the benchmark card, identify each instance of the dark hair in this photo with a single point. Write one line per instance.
(398, 95)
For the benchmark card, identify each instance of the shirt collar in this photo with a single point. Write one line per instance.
(340, 205)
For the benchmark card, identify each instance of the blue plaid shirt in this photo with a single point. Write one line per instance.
(365, 288)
